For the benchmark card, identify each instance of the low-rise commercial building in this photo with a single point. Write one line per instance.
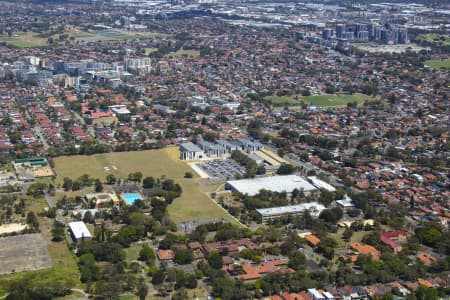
(267, 214)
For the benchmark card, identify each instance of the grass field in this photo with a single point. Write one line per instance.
(336, 100)
(150, 50)
(24, 40)
(132, 253)
(193, 204)
(64, 270)
(435, 38)
(151, 163)
(327, 100)
(184, 53)
(438, 64)
(124, 35)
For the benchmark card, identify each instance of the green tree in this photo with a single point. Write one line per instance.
(297, 261)
(285, 169)
(425, 293)
(158, 277)
(142, 291)
(32, 221)
(148, 182)
(98, 186)
(57, 232)
(135, 177)
(215, 260)
(111, 179)
(183, 256)
(180, 294)
(147, 254)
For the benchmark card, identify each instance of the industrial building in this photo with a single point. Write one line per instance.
(267, 214)
(279, 183)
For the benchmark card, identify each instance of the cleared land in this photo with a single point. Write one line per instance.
(193, 204)
(438, 64)
(64, 270)
(399, 48)
(106, 120)
(23, 253)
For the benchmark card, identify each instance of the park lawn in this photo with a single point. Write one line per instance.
(337, 100)
(64, 270)
(434, 38)
(438, 64)
(150, 50)
(193, 204)
(284, 100)
(24, 40)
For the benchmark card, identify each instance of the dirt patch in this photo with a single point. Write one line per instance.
(23, 253)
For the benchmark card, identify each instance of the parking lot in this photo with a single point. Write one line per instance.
(223, 169)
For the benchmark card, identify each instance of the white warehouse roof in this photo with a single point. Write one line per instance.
(320, 184)
(79, 230)
(313, 207)
(280, 183)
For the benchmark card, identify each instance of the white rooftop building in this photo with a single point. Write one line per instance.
(320, 184)
(314, 208)
(279, 183)
(120, 110)
(346, 202)
(79, 231)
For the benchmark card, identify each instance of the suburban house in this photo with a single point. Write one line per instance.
(392, 239)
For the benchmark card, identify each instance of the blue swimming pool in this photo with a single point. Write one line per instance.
(131, 197)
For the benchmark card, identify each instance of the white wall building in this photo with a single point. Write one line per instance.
(190, 151)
